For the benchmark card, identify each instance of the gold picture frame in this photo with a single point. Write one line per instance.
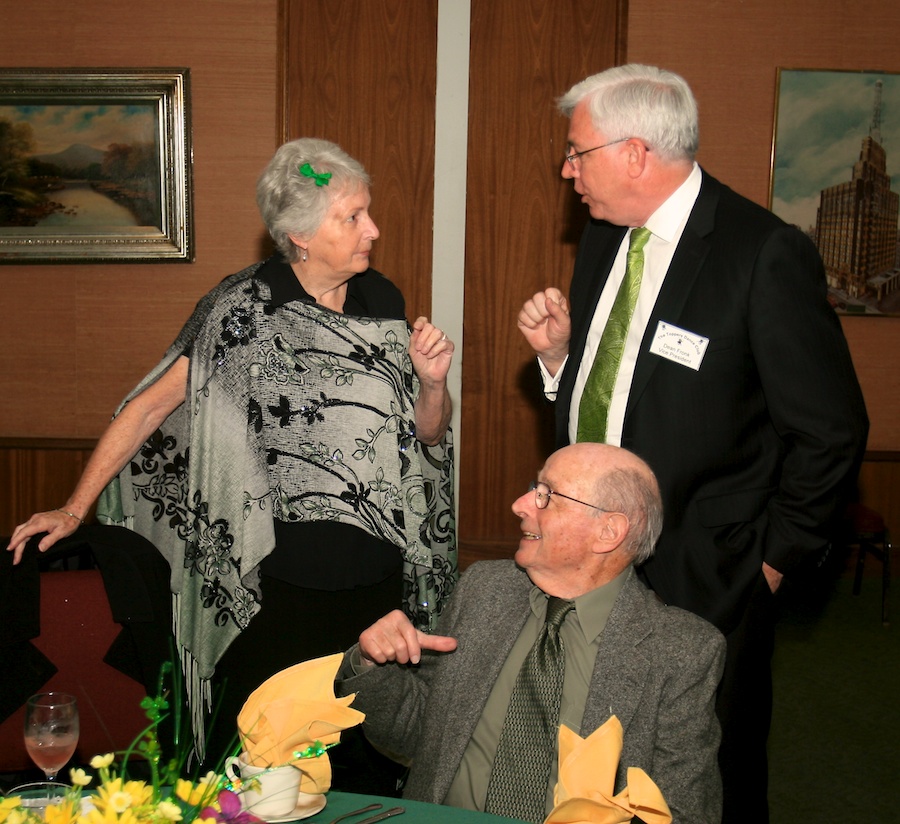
(95, 166)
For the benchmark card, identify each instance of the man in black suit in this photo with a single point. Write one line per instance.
(735, 382)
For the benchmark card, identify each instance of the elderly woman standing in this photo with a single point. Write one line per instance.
(290, 455)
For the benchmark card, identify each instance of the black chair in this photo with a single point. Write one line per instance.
(101, 633)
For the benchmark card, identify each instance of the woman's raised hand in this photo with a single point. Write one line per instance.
(431, 351)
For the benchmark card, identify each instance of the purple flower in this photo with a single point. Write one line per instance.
(230, 810)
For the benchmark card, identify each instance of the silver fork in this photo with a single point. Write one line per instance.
(356, 812)
(381, 816)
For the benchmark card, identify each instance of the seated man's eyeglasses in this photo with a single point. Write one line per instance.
(542, 494)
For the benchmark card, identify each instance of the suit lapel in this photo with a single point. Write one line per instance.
(596, 255)
(620, 673)
(686, 264)
(599, 248)
(502, 623)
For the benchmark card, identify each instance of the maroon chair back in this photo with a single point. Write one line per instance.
(77, 629)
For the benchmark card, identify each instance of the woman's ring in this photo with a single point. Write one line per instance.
(444, 336)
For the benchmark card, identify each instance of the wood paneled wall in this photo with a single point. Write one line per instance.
(523, 225)
(363, 75)
(37, 474)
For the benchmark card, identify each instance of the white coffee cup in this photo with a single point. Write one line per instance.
(265, 791)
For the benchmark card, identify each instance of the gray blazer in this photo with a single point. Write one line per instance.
(657, 670)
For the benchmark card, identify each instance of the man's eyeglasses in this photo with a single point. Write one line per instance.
(542, 494)
(575, 156)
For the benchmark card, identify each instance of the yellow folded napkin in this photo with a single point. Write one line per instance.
(296, 712)
(587, 778)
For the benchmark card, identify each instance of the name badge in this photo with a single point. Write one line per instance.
(679, 345)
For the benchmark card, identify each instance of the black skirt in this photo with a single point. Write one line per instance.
(296, 624)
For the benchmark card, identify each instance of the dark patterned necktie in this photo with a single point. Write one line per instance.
(593, 410)
(521, 772)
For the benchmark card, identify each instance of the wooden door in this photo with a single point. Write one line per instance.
(522, 229)
(363, 74)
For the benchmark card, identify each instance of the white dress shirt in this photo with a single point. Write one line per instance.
(666, 225)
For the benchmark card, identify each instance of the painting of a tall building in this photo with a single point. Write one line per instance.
(856, 226)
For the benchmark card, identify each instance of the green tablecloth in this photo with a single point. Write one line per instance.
(417, 812)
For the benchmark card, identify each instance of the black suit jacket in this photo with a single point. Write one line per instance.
(753, 451)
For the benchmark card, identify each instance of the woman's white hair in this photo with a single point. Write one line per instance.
(292, 203)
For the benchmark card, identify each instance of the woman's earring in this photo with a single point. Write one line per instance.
(303, 255)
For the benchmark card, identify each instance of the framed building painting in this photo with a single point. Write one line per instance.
(836, 175)
(95, 166)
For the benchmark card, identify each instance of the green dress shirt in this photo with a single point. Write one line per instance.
(581, 633)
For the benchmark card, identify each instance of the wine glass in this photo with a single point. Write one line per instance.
(51, 730)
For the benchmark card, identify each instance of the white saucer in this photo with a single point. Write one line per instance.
(308, 804)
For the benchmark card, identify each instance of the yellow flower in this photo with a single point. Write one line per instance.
(200, 794)
(99, 762)
(79, 777)
(188, 793)
(64, 812)
(119, 801)
(104, 791)
(118, 795)
(210, 778)
(10, 813)
(141, 793)
(109, 816)
(7, 805)
(18, 816)
(95, 816)
(169, 810)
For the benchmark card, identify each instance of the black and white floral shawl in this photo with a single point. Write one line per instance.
(294, 412)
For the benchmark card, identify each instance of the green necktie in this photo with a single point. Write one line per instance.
(598, 389)
(520, 776)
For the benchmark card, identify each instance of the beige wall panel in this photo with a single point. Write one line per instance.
(77, 337)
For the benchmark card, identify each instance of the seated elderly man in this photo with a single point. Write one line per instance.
(565, 635)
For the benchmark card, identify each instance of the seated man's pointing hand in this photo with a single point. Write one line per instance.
(394, 638)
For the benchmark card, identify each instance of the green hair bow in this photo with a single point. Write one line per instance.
(321, 178)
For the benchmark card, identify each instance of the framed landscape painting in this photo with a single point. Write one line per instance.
(836, 176)
(95, 166)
